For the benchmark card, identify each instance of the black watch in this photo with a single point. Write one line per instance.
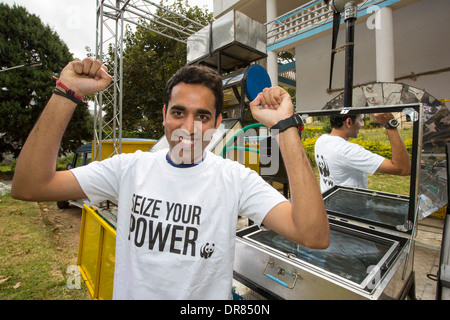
(292, 121)
(392, 124)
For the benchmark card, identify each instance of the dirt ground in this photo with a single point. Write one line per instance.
(65, 224)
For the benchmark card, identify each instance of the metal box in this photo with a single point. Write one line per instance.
(443, 283)
(234, 39)
(371, 243)
(360, 263)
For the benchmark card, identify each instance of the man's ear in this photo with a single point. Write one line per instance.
(348, 122)
(164, 115)
(218, 120)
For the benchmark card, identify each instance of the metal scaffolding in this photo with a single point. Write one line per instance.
(112, 17)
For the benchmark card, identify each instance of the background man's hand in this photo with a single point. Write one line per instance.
(383, 118)
(85, 77)
(271, 106)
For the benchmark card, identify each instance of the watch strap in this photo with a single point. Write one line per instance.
(293, 121)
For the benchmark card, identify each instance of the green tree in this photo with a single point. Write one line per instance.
(149, 61)
(25, 91)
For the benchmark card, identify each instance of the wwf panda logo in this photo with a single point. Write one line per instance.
(207, 250)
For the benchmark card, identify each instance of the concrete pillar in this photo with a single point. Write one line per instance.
(272, 60)
(384, 43)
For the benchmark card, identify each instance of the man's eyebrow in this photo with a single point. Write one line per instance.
(203, 111)
(177, 107)
(182, 108)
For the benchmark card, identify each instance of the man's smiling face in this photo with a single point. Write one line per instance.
(189, 115)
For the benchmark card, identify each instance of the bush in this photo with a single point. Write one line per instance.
(308, 145)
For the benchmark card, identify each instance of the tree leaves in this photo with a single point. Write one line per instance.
(149, 61)
(24, 92)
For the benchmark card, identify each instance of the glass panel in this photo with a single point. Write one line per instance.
(351, 255)
(372, 207)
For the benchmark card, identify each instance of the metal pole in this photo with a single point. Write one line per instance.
(33, 64)
(349, 18)
(121, 78)
(98, 103)
(116, 80)
(349, 56)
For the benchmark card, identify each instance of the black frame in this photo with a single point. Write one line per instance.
(415, 152)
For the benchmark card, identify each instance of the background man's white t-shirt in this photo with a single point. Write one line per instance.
(343, 163)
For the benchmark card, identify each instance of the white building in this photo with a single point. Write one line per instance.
(405, 41)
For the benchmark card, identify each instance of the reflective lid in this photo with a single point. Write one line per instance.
(436, 134)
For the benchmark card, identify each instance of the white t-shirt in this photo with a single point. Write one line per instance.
(343, 163)
(176, 226)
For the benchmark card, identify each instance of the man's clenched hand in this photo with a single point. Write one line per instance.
(272, 105)
(85, 77)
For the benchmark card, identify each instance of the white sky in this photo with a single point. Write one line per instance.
(75, 20)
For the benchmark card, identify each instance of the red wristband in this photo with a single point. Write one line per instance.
(69, 91)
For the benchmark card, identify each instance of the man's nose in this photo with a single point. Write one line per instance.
(190, 125)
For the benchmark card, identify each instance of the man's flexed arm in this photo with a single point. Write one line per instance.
(400, 164)
(304, 219)
(35, 176)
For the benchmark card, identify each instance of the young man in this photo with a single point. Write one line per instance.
(347, 164)
(177, 209)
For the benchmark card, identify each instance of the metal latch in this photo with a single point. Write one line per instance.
(281, 272)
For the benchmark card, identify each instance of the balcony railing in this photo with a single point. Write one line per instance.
(311, 18)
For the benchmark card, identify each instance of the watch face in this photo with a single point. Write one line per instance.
(393, 123)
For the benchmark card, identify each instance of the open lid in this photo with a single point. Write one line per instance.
(374, 208)
(435, 128)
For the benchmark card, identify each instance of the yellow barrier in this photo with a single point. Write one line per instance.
(129, 145)
(96, 254)
(440, 213)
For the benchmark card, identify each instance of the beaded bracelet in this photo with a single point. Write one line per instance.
(69, 94)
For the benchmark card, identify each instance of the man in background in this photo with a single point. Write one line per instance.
(342, 163)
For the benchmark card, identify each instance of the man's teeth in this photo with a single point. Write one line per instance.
(186, 140)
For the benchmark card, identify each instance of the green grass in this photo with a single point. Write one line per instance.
(383, 183)
(30, 264)
(6, 171)
(389, 183)
(379, 134)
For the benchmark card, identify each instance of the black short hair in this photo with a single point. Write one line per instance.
(197, 74)
(338, 120)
